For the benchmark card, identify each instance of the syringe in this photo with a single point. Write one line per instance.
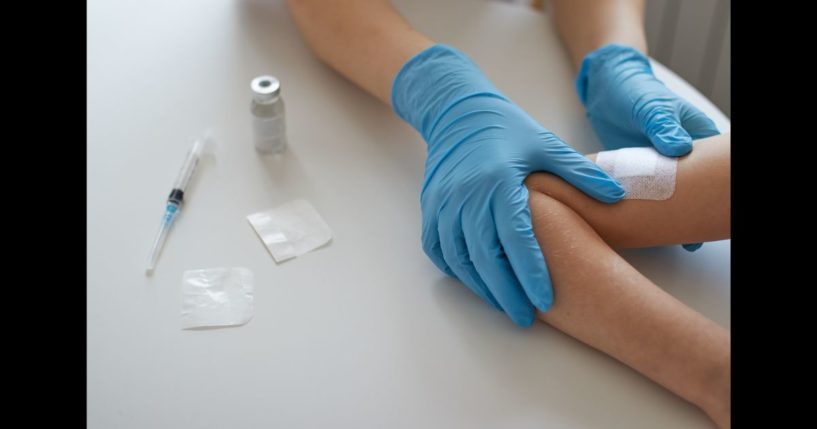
(174, 201)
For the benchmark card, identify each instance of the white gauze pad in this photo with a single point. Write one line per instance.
(644, 173)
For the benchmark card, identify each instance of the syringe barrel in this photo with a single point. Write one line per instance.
(189, 166)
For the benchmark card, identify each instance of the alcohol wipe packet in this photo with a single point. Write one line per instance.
(217, 297)
(291, 229)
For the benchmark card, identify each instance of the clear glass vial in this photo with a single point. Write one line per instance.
(267, 108)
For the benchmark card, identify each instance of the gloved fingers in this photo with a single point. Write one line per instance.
(696, 123)
(660, 124)
(560, 159)
(691, 247)
(456, 255)
(431, 242)
(515, 231)
(493, 266)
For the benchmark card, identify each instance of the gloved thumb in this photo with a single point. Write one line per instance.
(560, 159)
(696, 123)
(665, 132)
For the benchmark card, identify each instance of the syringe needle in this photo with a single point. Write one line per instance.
(174, 201)
(167, 221)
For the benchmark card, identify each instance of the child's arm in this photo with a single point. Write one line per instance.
(699, 210)
(604, 302)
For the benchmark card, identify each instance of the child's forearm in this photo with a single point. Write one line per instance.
(699, 209)
(367, 41)
(585, 25)
(604, 302)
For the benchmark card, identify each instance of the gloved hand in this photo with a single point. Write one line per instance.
(481, 147)
(628, 106)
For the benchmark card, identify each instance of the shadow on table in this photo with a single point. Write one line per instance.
(214, 328)
(287, 178)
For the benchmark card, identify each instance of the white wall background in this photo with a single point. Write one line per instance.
(692, 38)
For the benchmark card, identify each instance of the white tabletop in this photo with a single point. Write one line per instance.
(365, 332)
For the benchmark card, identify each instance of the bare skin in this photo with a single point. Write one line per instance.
(586, 25)
(698, 210)
(604, 302)
(367, 41)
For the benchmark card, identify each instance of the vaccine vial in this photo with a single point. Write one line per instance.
(267, 110)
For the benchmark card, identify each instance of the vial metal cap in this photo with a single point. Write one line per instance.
(265, 88)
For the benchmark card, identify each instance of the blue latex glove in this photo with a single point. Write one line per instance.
(481, 147)
(628, 106)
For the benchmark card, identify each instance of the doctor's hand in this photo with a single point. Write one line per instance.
(481, 147)
(628, 106)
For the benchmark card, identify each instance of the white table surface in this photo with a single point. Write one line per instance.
(365, 332)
